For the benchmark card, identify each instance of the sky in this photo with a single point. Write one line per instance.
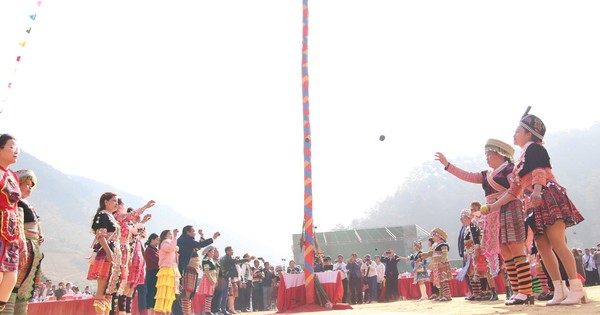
(198, 104)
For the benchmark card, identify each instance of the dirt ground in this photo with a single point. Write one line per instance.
(461, 306)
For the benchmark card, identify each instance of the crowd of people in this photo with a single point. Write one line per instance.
(47, 291)
(519, 233)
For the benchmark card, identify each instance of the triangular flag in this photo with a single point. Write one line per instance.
(29, 30)
(9, 85)
(22, 44)
(33, 16)
(18, 58)
(39, 3)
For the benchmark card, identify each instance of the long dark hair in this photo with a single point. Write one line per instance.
(163, 236)
(105, 197)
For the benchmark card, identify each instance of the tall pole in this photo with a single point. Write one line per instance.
(309, 252)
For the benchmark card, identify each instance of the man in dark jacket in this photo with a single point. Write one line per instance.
(229, 270)
(391, 275)
(188, 248)
(354, 279)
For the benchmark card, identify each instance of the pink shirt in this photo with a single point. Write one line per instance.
(167, 254)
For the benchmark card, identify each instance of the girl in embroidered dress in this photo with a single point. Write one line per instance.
(505, 227)
(440, 264)
(106, 268)
(552, 210)
(209, 278)
(167, 283)
(11, 242)
(419, 272)
(125, 220)
(135, 277)
(29, 273)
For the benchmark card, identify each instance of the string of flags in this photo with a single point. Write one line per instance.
(7, 85)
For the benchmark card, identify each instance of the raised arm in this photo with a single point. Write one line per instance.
(471, 177)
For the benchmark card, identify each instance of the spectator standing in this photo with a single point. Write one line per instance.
(340, 265)
(168, 273)
(369, 275)
(597, 259)
(391, 275)
(151, 259)
(590, 268)
(267, 285)
(578, 261)
(354, 279)
(257, 291)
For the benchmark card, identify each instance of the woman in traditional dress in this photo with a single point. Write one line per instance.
(125, 219)
(167, 283)
(419, 272)
(106, 267)
(440, 264)
(505, 228)
(209, 278)
(11, 242)
(29, 273)
(135, 277)
(151, 259)
(552, 210)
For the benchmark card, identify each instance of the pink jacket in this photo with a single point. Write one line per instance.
(167, 254)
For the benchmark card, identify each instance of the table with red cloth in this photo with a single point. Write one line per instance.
(79, 307)
(292, 292)
(410, 291)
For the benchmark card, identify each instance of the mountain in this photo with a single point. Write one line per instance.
(431, 197)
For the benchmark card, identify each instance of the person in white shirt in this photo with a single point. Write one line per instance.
(589, 264)
(380, 273)
(369, 272)
(341, 266)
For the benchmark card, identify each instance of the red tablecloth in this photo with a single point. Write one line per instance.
(410, 291)
(79, 307)
(292, 293)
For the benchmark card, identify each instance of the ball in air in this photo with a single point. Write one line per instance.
(381, 138)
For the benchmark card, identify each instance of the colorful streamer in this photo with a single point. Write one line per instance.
(9, 85)
(309, 244)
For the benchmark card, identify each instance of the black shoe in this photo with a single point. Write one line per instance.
(546, 297)
(528, 300)
(494, 296)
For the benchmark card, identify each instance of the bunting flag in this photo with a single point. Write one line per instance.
(309, 244)
(30, 18)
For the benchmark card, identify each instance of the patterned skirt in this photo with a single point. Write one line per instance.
(190, 282)
(441, 272)
(102, 269)
(29, 274)
(512, 223)
(206, 287)
(136, 270)
(555, 206)
(167, 278)
(420, 273)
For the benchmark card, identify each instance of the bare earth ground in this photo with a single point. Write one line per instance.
(461, 306)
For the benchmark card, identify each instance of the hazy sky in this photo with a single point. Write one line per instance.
(198, 104)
